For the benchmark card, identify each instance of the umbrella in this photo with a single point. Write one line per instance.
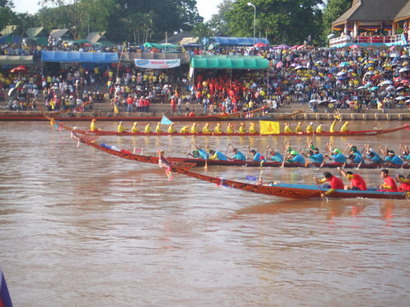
(385, 82)
(344, 64)
(401, 88)
(354, 47)
(394, 55)
(341, 73)
(404, 69)
(404, 56)
(400, 98)
(283, 47)
(19, 69)
(390, 88)
(405, 82)
(259, 45)
(374, 88)
(300, 67)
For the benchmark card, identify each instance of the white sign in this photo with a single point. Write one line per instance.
(157, 64)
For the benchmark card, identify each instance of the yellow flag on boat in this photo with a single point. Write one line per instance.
(269, 127)
(116, 109)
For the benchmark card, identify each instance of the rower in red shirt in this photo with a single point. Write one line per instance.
(404, 183)
(356, 181)
(388, 185)
(335, 183)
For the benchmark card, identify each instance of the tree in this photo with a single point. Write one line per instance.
(218, 22)
(333, 10)
(6, 3)
(282, 21)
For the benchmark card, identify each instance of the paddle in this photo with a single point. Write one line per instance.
(322, 194)
(189, 150)
(227, 148)
(285, 156)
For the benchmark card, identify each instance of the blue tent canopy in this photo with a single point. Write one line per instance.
(79, 57)
(237, 41)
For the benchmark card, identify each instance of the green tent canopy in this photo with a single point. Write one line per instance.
(228, 62)
(161, 46)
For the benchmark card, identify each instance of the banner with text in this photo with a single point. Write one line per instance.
(157, 64)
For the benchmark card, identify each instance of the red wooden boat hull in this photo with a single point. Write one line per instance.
(294, 191)
(89, 140)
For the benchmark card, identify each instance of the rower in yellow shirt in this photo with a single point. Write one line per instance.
(309, 128)
(121, 128)
(230, 129)
(345, 127)
(299, 127)
(252, 128)
(287, 128)
(242, 128)
(134, 128)
(171, 128)
(194, 129)
(158, 128)
(319, 128)
(184, 129)
(333, 126)
(218, 128)
(93, 126)
(205, 129)
(147, 128)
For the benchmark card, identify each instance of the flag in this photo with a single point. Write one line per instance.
(165, 120)
(116, 109)
(5, 299)
(269, 127)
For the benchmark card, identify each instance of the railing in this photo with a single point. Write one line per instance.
(366, 40)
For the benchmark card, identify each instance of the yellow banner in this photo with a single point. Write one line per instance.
(268, 127)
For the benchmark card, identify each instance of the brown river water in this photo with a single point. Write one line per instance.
(79, 227)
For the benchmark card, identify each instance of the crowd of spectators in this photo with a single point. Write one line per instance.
(321, 78)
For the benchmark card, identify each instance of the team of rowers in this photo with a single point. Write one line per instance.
(230, 129)
(350, 155)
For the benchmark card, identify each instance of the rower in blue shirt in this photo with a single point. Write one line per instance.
(374, 157)
(238, 155)
(275, 156)
(256, 156)
(355, 157)
(217, 155)
(337, 156)
(296, 157)
(315, 156)
(199, 153)
(392, 159)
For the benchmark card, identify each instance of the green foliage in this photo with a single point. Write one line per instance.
(333, 10)
(281, 21)
(7, 17)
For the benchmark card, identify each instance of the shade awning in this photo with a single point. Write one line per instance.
(79, 57)
(16, 59)
(228, 62)
(237, 41)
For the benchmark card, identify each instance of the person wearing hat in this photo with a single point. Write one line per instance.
(242, 128)
(356, 181)
(319, 128)
(199, 153)
(392, 158)
(121, 128)
(295, 157)
(158, 128)
(287, 128)
(337, 156)
(335, 183)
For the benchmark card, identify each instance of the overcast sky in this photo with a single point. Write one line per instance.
(206, 8)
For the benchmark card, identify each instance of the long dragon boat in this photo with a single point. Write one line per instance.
(294, 191)
(126, 154)
(373, 132)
